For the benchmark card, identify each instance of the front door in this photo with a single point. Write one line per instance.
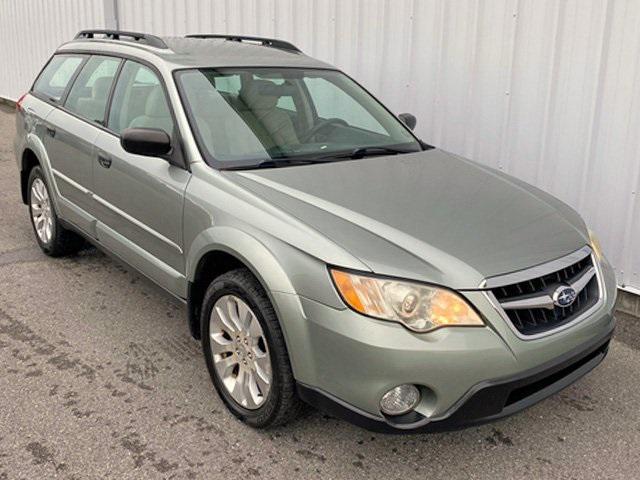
(139, 199)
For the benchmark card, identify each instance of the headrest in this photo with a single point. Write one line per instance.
(156, 105)
(101, 87)
(263, 94)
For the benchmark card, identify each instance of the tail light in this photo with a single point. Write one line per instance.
(19, 102)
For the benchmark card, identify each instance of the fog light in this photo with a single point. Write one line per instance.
(399, 400)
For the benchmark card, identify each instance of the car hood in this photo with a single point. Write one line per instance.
(430, 216)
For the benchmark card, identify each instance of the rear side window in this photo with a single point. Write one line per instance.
(55, 77)
(139, 101)
(90, 92)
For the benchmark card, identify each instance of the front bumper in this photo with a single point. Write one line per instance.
(485, 402)
(345, 362)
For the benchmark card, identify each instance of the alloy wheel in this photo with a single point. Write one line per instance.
(240, 351)
(41, 211)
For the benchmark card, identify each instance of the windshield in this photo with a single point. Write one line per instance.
(252, 116)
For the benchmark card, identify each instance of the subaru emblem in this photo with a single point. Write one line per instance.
(564, 296)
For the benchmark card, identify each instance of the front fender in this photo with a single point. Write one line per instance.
(246, 248)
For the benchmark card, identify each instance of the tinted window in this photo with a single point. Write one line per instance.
(54, 79)
(90, 92)
(331, 101)
(242, 117)
(139, 101)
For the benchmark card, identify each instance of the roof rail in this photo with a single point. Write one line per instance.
(267, 42)
(145, 38)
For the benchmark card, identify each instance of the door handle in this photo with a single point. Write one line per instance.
(51, 132)
(104, 161)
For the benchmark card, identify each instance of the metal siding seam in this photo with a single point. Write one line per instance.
(552, 87)
(437, 134)
(631, 218)
(507, 107)
(471, 107)
(596, 109)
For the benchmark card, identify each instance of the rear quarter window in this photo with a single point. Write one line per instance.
(55, 78)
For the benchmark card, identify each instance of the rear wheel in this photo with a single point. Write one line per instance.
(245, 351)
(53, 238)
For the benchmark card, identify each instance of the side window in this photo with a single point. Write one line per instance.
(286, 102)
(90, 92)
(55, 77)
(139, 101)
(333, 102)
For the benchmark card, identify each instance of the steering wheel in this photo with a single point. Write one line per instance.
(322, 125)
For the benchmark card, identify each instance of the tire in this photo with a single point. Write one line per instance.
(281, 404)
(54, 240)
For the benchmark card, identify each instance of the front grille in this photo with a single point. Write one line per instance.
(530, 304)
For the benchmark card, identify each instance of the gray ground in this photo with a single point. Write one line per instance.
(100, 379)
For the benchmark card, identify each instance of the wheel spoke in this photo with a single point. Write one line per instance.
(254, 329)
(47, 230)
(244, 315)
(254, 395)
(239, 392)
(225, 324)
(263, 365)
(262, 381)
(42, 192)
(232, 312)
(225, 365)
(220, 344)
(35, 191)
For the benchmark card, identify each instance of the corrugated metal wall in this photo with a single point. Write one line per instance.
(31, 30)
(547, 90)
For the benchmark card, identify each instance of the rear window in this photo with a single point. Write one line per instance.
(54, 79)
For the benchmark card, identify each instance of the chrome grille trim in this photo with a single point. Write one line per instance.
(537, 271)
(546, 300)
(579, 283)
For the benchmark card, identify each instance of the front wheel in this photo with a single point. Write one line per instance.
(245, 351)
(53, 238)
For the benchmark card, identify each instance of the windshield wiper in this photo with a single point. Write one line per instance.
(362, 152)
(356, 153)
(280, 162)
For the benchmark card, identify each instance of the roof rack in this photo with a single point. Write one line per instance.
(267, 42)
(145, 38)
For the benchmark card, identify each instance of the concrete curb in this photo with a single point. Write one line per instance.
(6, 101)
(628, 303)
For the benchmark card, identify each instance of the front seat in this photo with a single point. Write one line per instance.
(261, 98)
(156, 113)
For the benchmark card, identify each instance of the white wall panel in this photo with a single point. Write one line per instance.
(547, 90)
(31, 30)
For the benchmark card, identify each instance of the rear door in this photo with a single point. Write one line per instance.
(71, 134)
(139, 198)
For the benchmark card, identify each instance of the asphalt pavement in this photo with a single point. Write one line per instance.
(99, 378)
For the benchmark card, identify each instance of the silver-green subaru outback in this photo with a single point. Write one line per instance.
(326, 255)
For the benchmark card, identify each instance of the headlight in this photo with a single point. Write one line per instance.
(419, 307)
(595, 245)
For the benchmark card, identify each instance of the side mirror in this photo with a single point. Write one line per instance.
(151, 142)
(408, 119)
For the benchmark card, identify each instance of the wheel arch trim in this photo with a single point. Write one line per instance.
(34, 144)
(249, 252)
